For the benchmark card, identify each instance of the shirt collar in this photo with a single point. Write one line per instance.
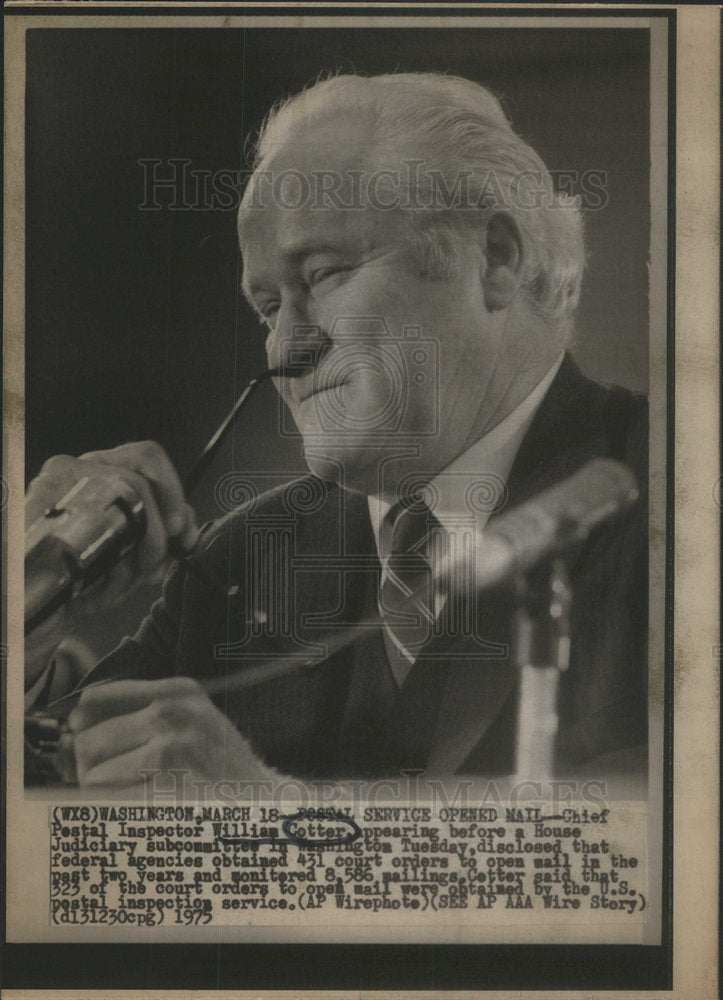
(476, 479)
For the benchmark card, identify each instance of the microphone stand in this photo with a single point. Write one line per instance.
(542, 653)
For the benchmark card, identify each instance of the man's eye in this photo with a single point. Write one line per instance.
(322, 273)
(269, 310)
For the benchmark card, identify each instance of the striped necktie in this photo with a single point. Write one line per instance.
(407, 596)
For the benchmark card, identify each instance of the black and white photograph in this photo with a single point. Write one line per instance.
(410, 274)
(348, 359)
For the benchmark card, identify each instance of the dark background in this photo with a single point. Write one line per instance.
(135, 328)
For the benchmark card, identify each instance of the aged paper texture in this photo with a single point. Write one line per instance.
(432, 696)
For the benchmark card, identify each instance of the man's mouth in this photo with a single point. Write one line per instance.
(315, 390)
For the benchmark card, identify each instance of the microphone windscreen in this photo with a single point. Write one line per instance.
(551, 522)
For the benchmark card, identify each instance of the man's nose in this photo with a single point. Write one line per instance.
(289, 316)
(298, 342)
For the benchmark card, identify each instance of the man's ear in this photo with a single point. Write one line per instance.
(503, 258)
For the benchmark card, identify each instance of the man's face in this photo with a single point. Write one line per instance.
(405, 359)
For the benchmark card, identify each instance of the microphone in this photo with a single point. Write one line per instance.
(77, 540)
(550, 523)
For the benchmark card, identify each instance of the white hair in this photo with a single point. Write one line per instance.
(463, 133)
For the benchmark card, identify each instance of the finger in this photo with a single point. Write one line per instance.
(112, 738)
(103, 701)
(148, 459)
(124, 770)
(65, 759)
(152, 550)
(56, 477)
(190, 534)
(106, 701)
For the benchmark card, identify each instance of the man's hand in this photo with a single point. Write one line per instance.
(146, 468)
(122, 729)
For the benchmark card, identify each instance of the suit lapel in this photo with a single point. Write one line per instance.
(566, 432)
(474, 695)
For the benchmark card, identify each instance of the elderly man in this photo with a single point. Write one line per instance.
(402, 241)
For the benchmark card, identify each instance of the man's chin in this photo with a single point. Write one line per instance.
(351, 466)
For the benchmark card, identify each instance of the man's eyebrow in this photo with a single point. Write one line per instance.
(307, 248)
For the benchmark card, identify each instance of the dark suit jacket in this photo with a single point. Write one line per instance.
(301, 563)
